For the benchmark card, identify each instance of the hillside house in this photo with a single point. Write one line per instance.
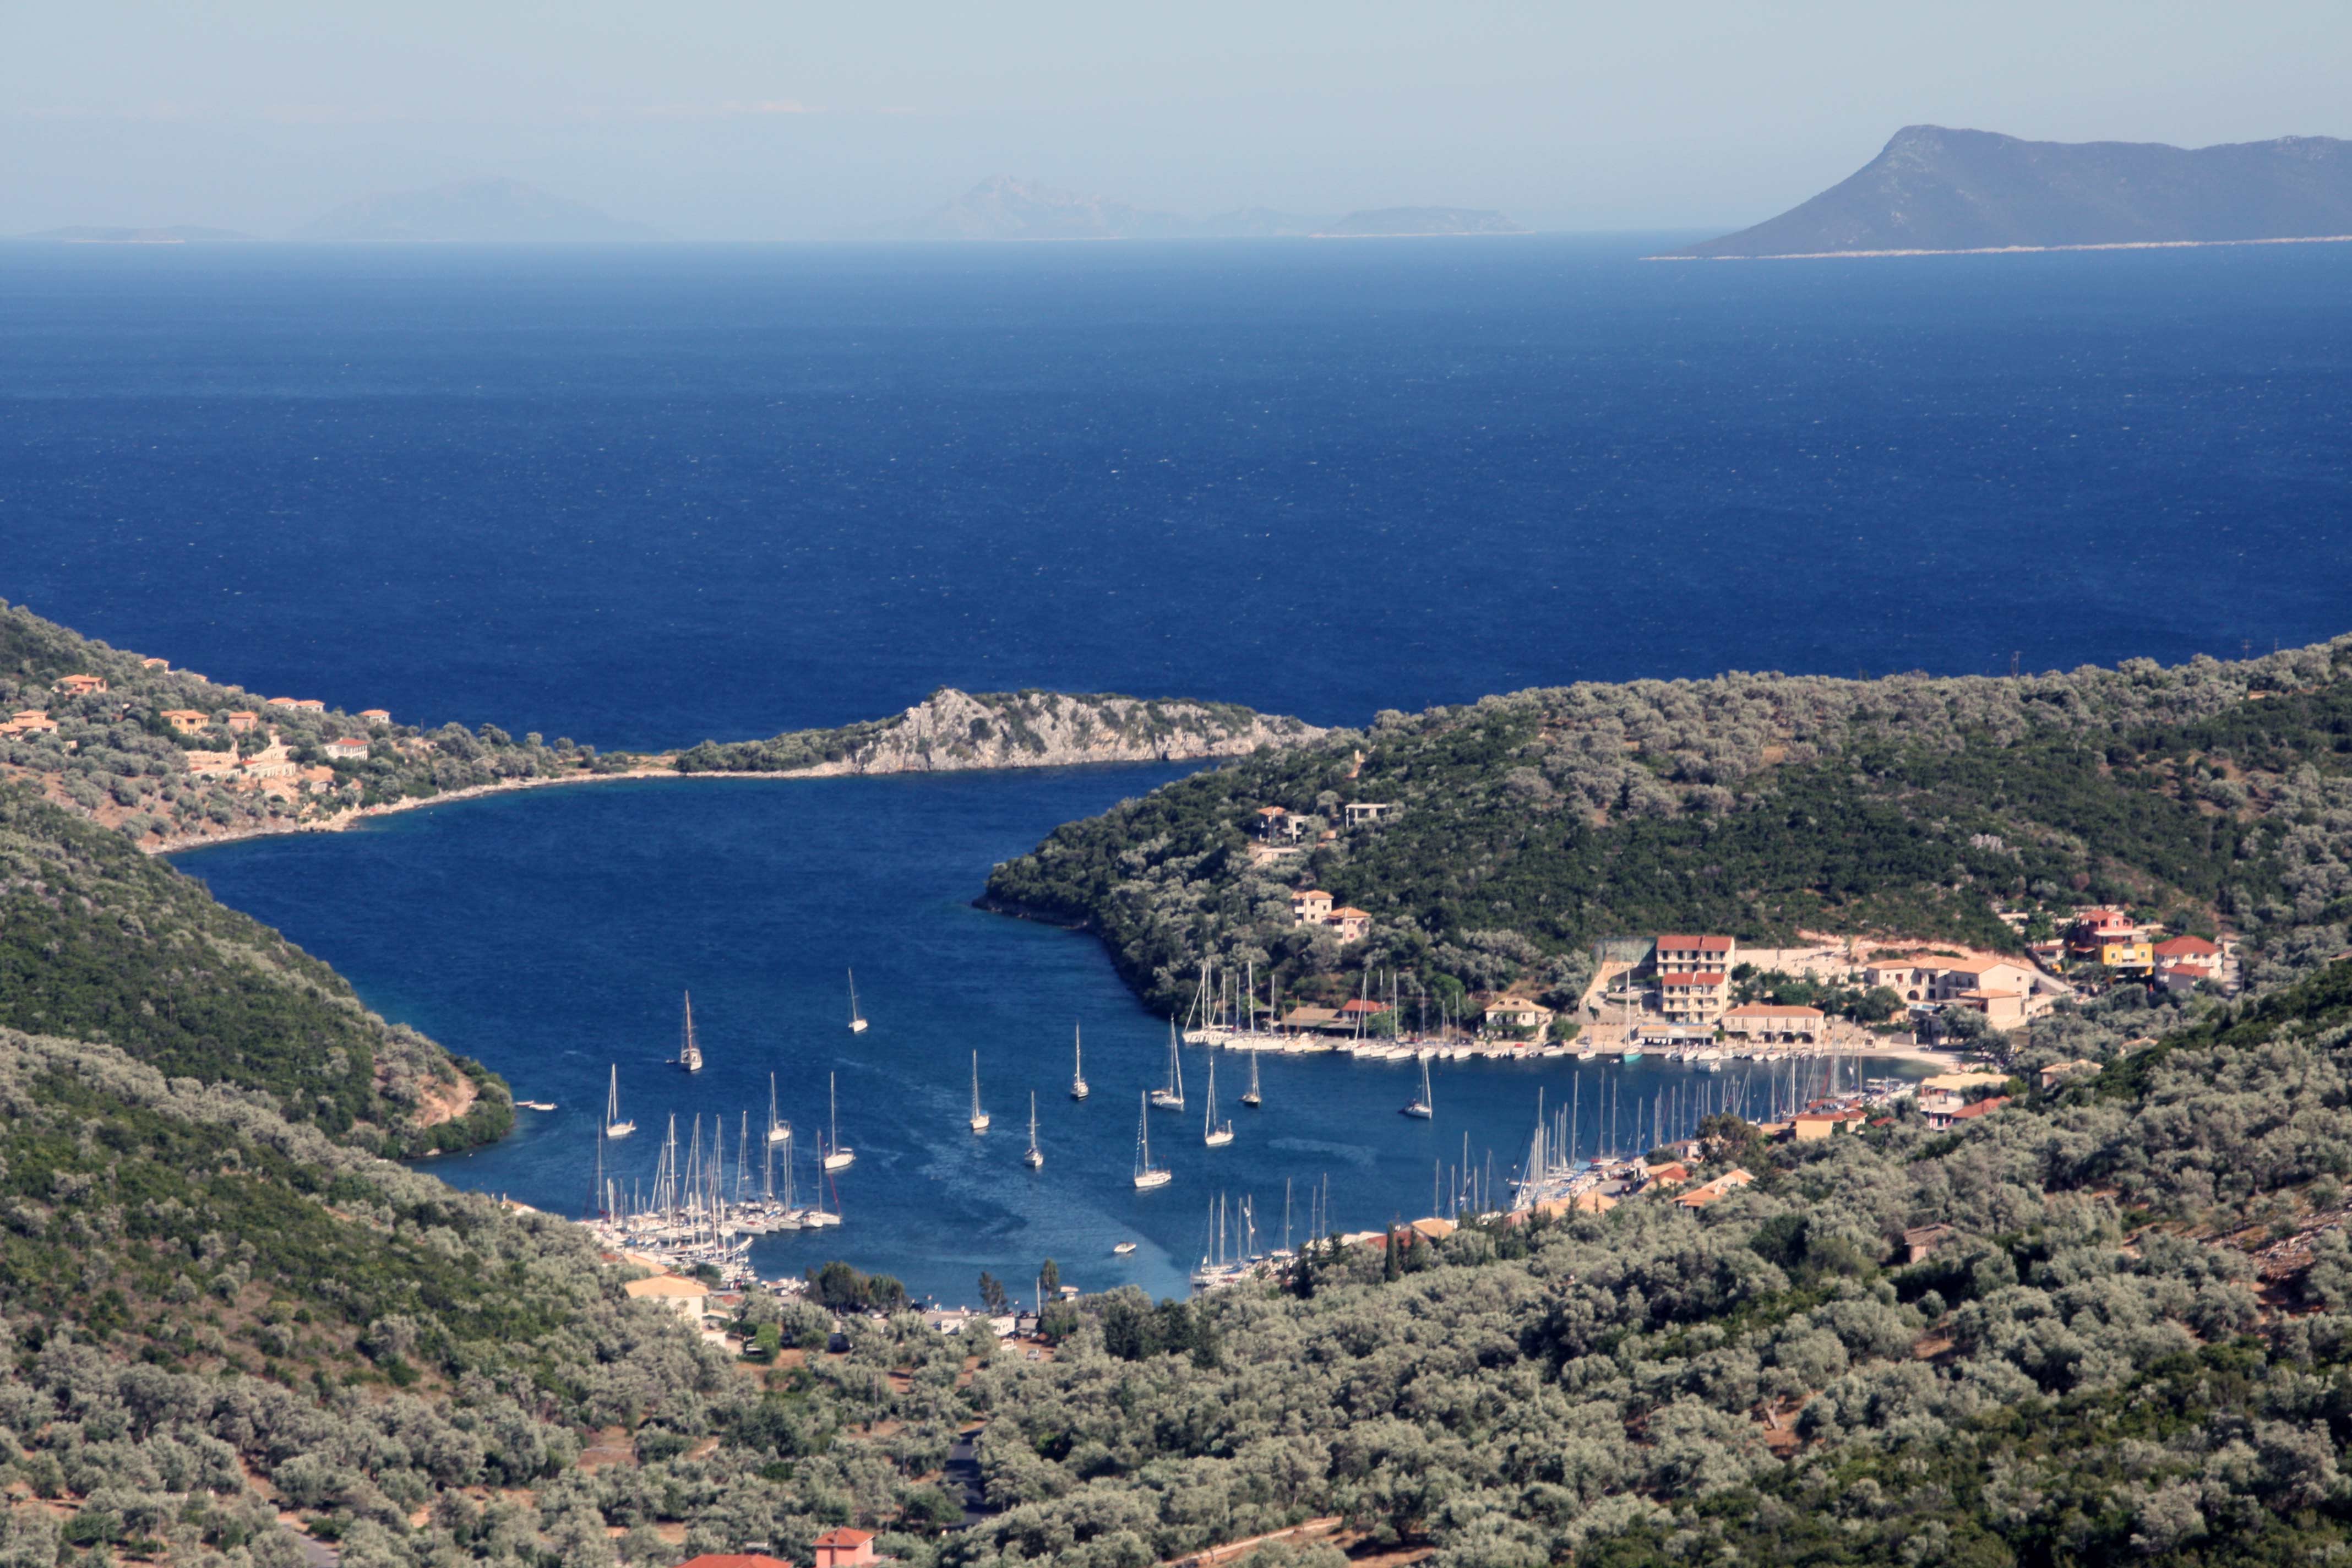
(375, 716)
(30, 722)
(1921, 1241)
(1359, 812)
(1350, 922)
(1941, 1119)
(844, 1548)
(1510, 1011)
(2201, 960)
(346, 749)
(1275, 825)
(2007, 991)
(1679, 954)
(1694, 998)
(2057, 1073)
(1311, 907)
(1809, 1126)
(242, 720)
(82, 684)
(1772, 1023)
(162, 664)
(186, 721)
(1722, 1186)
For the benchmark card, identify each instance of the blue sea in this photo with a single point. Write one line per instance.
(638, 497)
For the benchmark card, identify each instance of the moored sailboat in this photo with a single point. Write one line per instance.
(1252, 1098)
(779, 1130)
(1078, 1089)
(1170, 1094)
(1212, 1134)
(1035, 1158)
(1146, 1175)
(1422, 1106)
(614, 1127)
(856, 1018)
(690, 1054)
(979, 1117)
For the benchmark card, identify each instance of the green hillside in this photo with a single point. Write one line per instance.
(1526, 828)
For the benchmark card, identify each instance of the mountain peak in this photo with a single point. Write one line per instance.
(1933, 187)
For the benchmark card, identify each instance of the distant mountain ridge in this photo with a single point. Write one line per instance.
(474, 212)
(1004, 208)
(1932, 188)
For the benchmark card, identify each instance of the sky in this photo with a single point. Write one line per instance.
(778, 120)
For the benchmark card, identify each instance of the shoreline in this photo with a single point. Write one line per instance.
(2016, 249)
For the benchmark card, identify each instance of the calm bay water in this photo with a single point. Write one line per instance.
(639, 497)
(549, 934)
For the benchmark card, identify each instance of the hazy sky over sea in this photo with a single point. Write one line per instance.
(754, 119)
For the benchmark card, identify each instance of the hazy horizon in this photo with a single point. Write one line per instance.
(738, 122)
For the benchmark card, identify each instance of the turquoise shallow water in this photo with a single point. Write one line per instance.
(550, 934)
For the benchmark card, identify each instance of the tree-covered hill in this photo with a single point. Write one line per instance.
(1526, 828)
(100, 942)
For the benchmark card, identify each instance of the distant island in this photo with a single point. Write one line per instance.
(166, 234)
(1004, 208)
(474, 212)
(1934, 189)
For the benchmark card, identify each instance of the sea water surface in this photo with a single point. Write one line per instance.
(641, 496)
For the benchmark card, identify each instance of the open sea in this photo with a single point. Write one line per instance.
(639, 497)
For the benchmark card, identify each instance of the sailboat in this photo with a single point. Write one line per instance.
(689, 1054)
(1078, 1089)
(856, 1019)
(1035, 1158)
(614, 1126)
(1145, 1175)
(1252, 1098)
(1424, 1105)
(979, 1117)
(836, 1158)
(779, 1130)
(1212, 1134)
(1171, 1096)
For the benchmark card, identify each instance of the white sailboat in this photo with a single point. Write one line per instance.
(1212, 1134)
(689, 1054)
(1035, 1158)
(979, 1117)
(836, 1158)
(1254, 1098)
(779, 1130)
(1078, 1089)
(1422, 1106)
(1171, 1096)
(614, 1126)
(856, 1019)
(1145, 1174)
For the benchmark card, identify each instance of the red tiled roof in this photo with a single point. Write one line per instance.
(1980, 1107)
(844, 1536)
(1346, 910)
(1703, 977)
(1772, 1010)
(1704, 943)
(735, 1560)
(2187, 947)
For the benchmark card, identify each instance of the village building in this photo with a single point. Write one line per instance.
(2057, 1073)
(30, 722)
(210, 764)
(1359, 812)
(2110, 938)
(280, 702)
(346, 749)
(155, 664)
(1969, 1112)
(242, 720)
(375, 716)
(1694, 998)
(2199, 959)
(82, 684)
(1511, 1012)
(1360, 1010)
(1722, 1186)
(1774, 1023)
(1432, 1229)
(685, 1297)
(844, 1548)
(187, 720)
(2009, 993)
(1672, 1174)
(1677, 954)
(1810, 1126)
(1303, 1018)
(1920, 1242)
(1311, 907)
(1350, 922)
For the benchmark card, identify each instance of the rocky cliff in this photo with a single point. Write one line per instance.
(955, 729)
